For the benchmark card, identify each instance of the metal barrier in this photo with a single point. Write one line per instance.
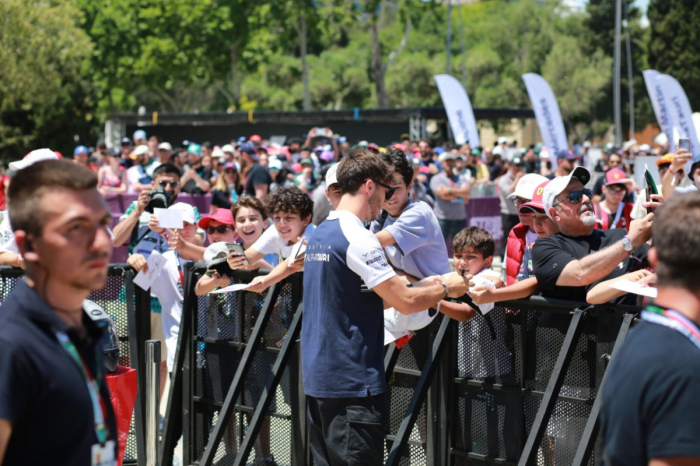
(133, 323)
(455, 396)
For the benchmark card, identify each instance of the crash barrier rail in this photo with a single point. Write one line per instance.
(132, 319)
(456, 395)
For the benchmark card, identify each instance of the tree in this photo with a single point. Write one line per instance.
(45, 96)
(674, 47)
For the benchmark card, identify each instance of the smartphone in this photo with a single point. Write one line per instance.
(321, 132)
(650, 188)
(684, 143)
(237, 250)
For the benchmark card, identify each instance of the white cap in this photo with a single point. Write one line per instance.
(215, 254)
(526, 186)
(274, 164)
(187, 211)
(32, 158)
(165, 146)
(332, 175)
(141, 150)
(216, 153)
(447, 155)
(503, 140)
(645, 148)
(227, 148)
(559, 184)
(139, 134)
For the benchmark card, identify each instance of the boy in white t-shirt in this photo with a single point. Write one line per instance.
(291, 210)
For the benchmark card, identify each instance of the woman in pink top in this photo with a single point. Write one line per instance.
(111, 177)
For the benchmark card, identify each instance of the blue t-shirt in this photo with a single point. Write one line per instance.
(650, 400)
(343, 332)
(420, 247)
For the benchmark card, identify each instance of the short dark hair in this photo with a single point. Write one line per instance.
(251, 203)
(676, 236)
(397, 160)
(290, 200)
(477, 238)
(166, 169)
(358, 165)
(29, 184)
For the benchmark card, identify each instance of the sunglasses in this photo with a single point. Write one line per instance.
(518, 202)
(221, 229)
(173, 184)
(616, 189)
(575, 197)
(389, 190)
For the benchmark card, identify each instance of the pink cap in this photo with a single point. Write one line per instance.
(220, 215)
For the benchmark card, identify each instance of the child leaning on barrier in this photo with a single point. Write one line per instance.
(291, 210)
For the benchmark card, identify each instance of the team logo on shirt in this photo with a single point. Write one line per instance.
(5, 236)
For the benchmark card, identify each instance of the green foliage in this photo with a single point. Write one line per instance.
(674, 47)
(45, 93)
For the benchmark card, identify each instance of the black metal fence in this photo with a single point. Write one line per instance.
(455, 395)
(132, 320)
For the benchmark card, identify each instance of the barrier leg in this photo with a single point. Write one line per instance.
(556, 380)
(590, 433)
(152, 400)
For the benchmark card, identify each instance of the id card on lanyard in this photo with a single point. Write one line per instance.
(102, 453)
(673, 320)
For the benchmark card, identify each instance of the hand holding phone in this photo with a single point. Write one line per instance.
(684, 143)
(235, 253)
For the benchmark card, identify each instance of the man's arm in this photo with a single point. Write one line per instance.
(598, 265)
(384, 237)
(483, 294)
(409, 300)
(261, 191)
(122, 232)
(5, 433)
(674, 175)
(11, 259)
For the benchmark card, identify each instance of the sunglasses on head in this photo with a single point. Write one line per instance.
(389, 190)
(575, 197)
(173, 184)
(221, 229)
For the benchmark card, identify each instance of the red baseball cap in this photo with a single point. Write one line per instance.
(220, 215)
(255, 138)
(616, 176)
(536, 204)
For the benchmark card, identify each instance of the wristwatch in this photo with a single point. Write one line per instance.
(627, 243)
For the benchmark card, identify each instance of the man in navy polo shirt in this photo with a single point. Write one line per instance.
(343, 331)
(54, 402)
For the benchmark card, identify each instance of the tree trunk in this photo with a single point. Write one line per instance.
(377, 68)
(304, 66)
(235, 84)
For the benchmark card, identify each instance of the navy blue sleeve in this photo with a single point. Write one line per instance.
(671, 410)
(220, 199)
(260, 176)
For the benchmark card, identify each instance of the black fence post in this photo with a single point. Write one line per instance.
(539, 426)
(138, 304)
(236, 386)
(420, 392)
(270, 390)
(173, 423)
(590, 432)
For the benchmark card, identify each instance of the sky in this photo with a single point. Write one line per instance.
(641, 4)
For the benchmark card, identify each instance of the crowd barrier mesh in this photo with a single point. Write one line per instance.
(222, 327)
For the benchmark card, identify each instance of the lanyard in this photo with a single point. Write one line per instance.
(180, 268)
(674, 320)
(98, 408)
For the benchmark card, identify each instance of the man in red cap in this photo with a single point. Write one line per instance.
(613, 211)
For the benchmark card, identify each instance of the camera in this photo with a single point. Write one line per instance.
(160, 199)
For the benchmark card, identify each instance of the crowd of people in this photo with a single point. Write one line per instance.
(353, 219)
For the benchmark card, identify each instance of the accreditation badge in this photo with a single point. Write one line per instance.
(103, 455)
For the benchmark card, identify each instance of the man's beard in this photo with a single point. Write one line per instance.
(375, 204)
(588, 218)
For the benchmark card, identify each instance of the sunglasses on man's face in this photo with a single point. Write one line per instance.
(575, 197)
(389, 190)
(173, 184)
(221, 229)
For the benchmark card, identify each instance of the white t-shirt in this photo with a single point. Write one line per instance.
(168, 288)
(141, 174)
(478, 354)
(7, 236)
(270, 242)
